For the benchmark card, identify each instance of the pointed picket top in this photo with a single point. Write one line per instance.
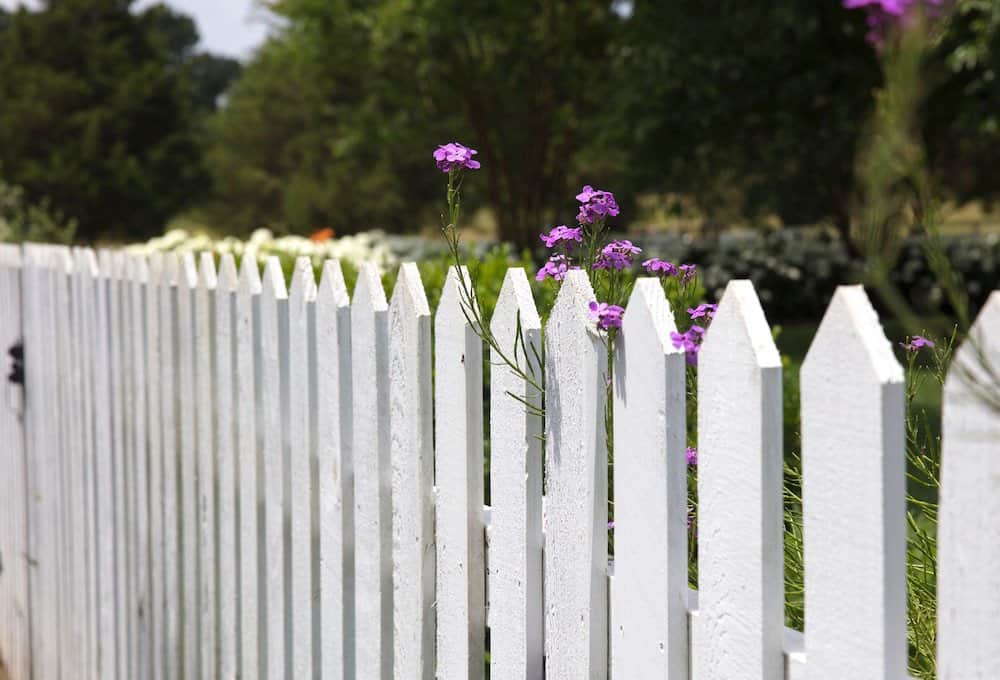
(515, 532)
(368, 291)
(250, 283)
(208, 278)
(649, 590)
(854, 496)
(140, 269)
(969, 526)
(10, 254)
(576, 500)
(187, 274)
(515, 301)
(332, 286)
(740, 623)
(103, 259)
(851, 327)
(450, 310)
(229, 278)
(273, 280)
(154, 264)
(303, 281)
(409, 292)
(170, 276)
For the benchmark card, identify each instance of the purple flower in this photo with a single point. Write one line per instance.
(705, 310)
(607, 316)
(616, 255)
(611, 525)
(885, 14)
(562, 234)
(556, 267)
(689, 341)
(916, 343)
(455, 156)
(597, 205)
(687, 272)
(692, 455)
(660, 267)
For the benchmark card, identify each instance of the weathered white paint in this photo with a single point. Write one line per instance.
(273, 350)
(204, 342)
(334, 485)
(460, 534)
(372, 478)
(969, 529)
(154, 376)
(576, 550)
(853, 496)
(412, 455)
(227, 583)
(138, 278)
(301, 346)
(515, 550)
(15, 640)
(248, 435)
(740, 468)
(187, 285)
(170, 461)
(649, 591)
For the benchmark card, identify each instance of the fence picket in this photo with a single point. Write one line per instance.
(372, 478)
(226, 581)
(204, 398)
(273, 349)
(170, 404)
(412, 456)
(649, 588)
(334, 476)
(250, 479)
(15, 634)
(301, 360)
(460, 534)
(187, 286)
(515, 551)
(969, 528)
(853, 490)
(154, 431)
(576, 550)
(741, 597)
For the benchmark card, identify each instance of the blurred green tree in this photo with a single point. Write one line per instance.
(101, 112)
(334, 121)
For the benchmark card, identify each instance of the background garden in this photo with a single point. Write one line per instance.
(802, 145)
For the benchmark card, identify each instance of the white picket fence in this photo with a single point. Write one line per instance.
(208, 476)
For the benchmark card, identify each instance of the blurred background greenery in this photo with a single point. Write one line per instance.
(730, 131)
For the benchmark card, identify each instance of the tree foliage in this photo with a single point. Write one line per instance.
(102, 112)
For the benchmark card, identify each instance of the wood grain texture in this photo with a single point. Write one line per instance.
(853, 496)
(460, 534)
(576, 465)
(335, 476)
(515, 548)
(372, 478)
(649, 590)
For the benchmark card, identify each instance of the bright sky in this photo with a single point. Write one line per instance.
(230, 27)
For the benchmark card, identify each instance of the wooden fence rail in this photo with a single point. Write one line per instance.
(208, 475)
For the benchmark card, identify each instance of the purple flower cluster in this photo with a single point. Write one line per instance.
(562, 234)
(916, 343)
(884, 14)
(659, 267)
(556, 267)
(596, 205)
(692, 455)
(616, 255)
(454, 156)
(689, 341)
(706, 310)
(607, 316)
